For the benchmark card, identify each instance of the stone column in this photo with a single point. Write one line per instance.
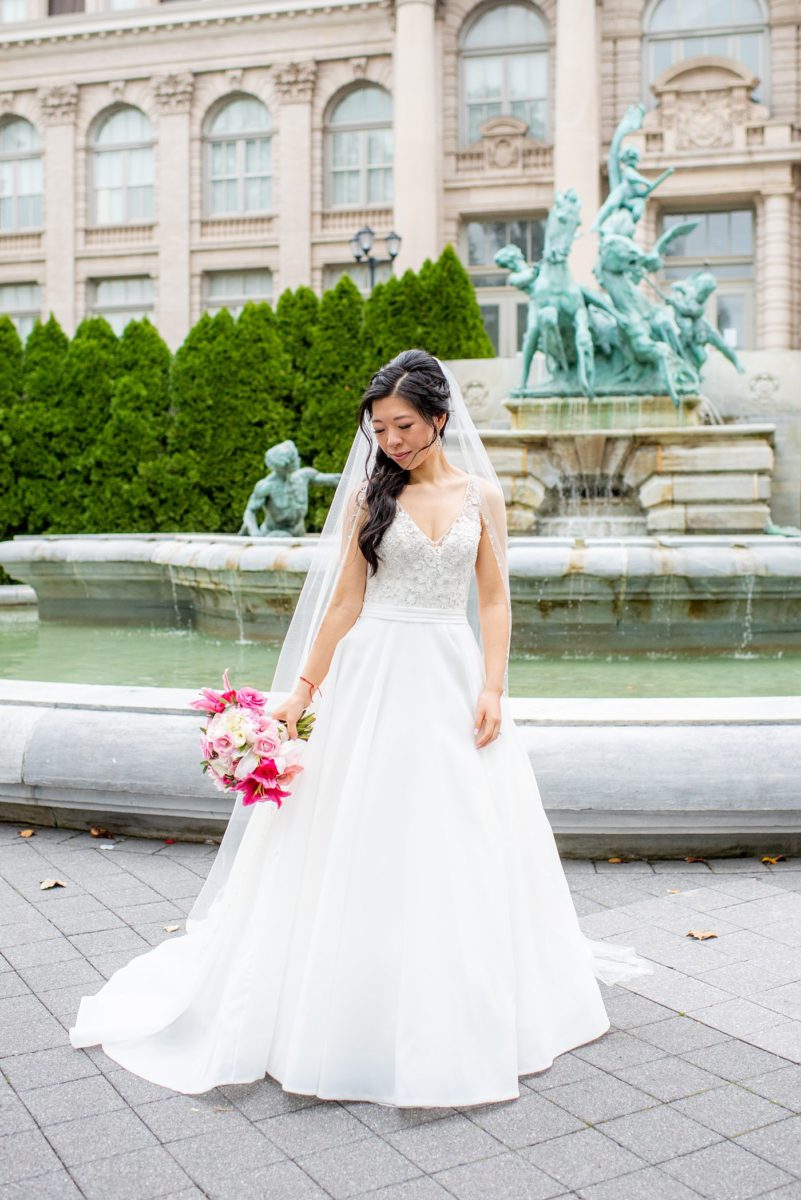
(418, 157)
(295, 85)
(173, 97)
(58, 106)
(577, 126)
(776, 271)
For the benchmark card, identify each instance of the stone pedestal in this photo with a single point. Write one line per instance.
(617, 481)
(604, 412)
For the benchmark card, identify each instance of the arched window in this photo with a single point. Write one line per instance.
(505, 70)
(239, 163)
(359, 148)
(122, 168)
(681, 29)
(20, 176)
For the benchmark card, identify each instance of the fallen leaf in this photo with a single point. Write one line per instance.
(27, 832)
(615, 860)
(169, 841)
(51, 883)
(693, 858)
(99, 832)
(221, 1108)
(772, 859)
(700, 934)
(171, 928)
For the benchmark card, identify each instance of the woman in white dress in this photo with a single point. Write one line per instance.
(401, 930)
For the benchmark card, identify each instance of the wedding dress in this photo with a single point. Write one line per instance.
(401, 930)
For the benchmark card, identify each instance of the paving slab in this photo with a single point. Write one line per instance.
(694, 1091)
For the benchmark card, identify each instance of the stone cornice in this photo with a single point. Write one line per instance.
(83, 27)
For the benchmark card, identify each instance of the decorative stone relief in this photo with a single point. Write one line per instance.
(117, 88)
(295, 82)
(703, 103)
(173, 93)
(359, 67)
(763, 387)
(6, 103)
(234, 78)
(59, 104)
(477, 398)
(504, 147)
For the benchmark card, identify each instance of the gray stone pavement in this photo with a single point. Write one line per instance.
(696, 1090)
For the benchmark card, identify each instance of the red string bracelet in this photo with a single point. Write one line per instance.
(313, 686)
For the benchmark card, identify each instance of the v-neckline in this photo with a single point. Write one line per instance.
(439, 540)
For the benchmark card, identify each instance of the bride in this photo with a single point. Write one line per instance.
(400, 930)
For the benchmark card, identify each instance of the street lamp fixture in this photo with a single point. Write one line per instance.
(361, 245)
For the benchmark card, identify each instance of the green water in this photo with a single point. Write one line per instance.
(180, 658)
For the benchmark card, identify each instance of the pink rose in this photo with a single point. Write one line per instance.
(249, 698)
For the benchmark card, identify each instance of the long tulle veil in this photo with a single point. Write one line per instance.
(463, 449)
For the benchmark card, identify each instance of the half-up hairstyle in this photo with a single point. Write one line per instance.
(416, 377)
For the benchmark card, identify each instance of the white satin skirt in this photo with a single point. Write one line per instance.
(401, 931)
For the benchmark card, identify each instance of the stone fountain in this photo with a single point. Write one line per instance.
(640, 520)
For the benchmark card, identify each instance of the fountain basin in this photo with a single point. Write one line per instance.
(651, 776)
(586, 595)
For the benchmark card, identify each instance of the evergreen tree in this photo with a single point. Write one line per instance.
(333, 388)
(10, 394)
(454, 325)
(78, 415)
(38, 464)
(262, 379)
(197, 481)
(123, 498)
(374, 332)
(297, 314)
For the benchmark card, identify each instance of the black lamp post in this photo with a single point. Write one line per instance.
(362, 243)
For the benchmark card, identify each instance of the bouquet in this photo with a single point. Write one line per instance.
(246, 750)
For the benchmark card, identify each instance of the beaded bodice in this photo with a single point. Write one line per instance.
(415, 571)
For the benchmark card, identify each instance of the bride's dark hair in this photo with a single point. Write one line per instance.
(416, 377)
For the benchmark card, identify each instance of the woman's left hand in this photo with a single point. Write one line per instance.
(488, 717)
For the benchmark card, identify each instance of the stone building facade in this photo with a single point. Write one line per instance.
(173, 157)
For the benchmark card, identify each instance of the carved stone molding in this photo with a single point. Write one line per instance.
(359, 67)
(117, 88)
(6, 103)
(234, 78)
(59, 104)
(173, 93)
(504, 148)
(295, 82)
(704, 104)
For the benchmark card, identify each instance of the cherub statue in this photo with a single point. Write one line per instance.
(628, 189)
(687, 298)
(283, 495)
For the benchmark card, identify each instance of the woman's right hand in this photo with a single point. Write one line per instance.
(292, 708)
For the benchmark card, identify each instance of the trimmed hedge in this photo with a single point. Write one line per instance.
(107, 434)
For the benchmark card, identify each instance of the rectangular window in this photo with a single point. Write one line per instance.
(234, 289)
(13, 10)
(723, 244)
(57, 8)
(22, 303)
(503, 308)
(120, 300)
